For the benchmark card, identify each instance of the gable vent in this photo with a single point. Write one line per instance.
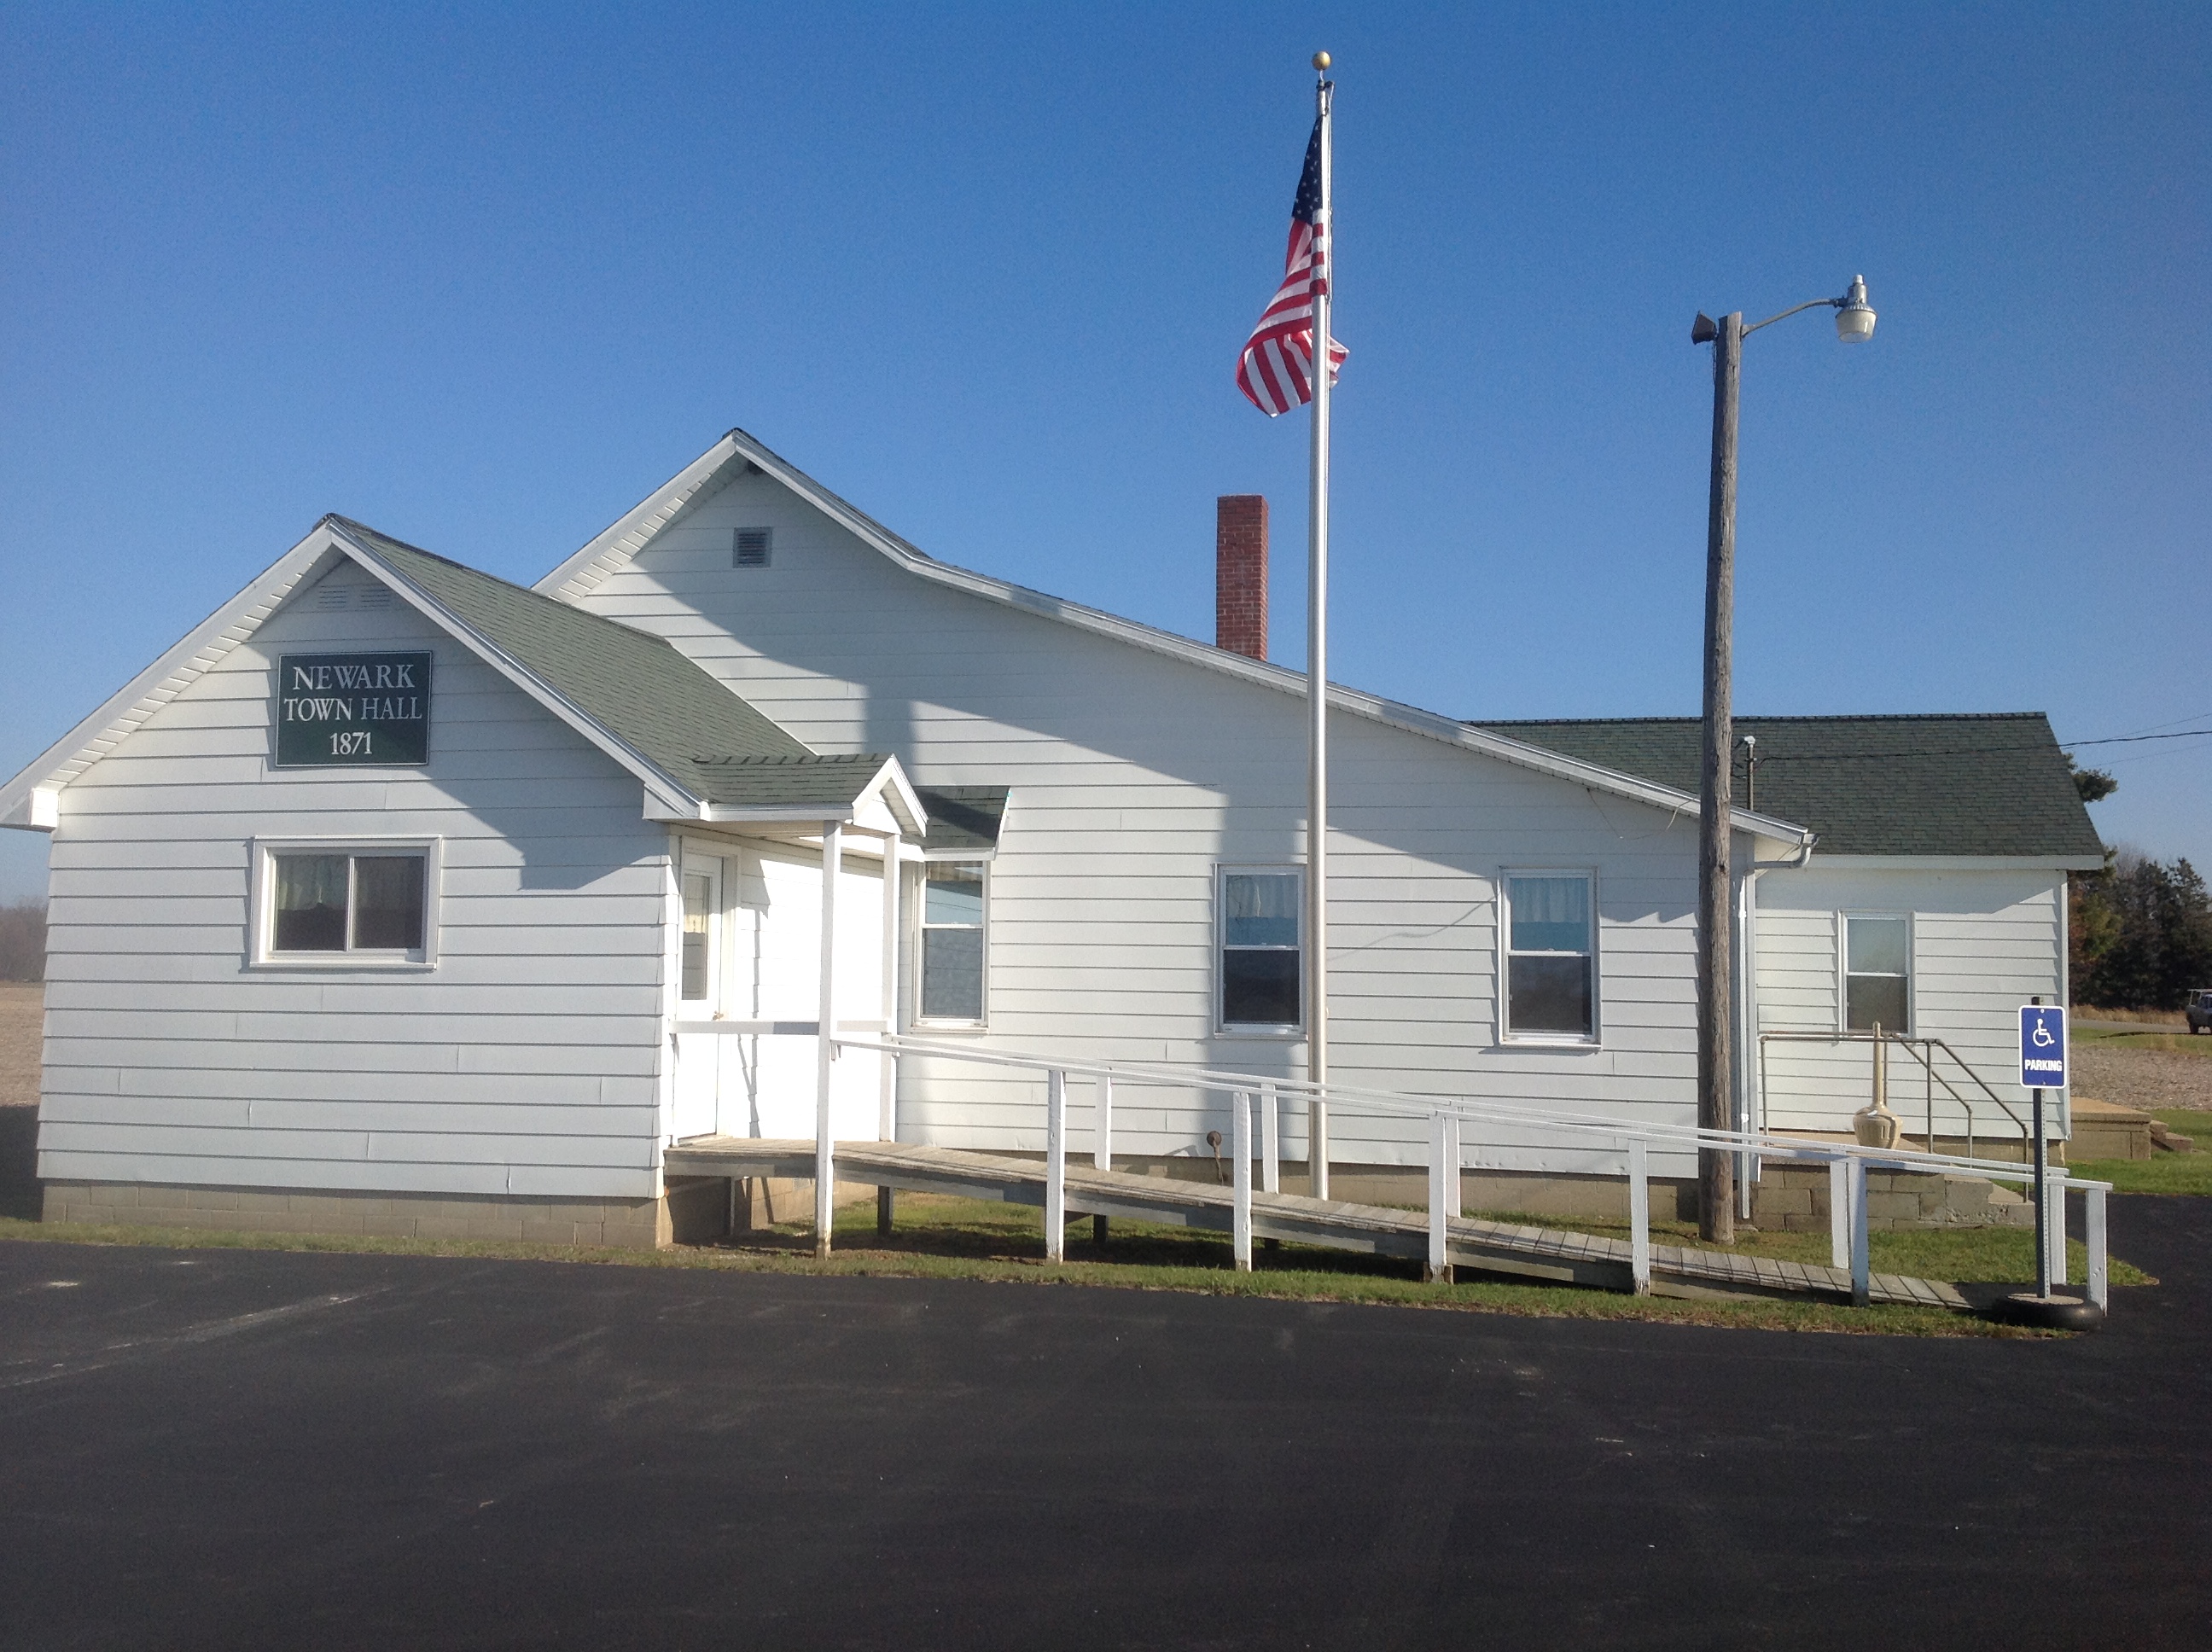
(753, 547)
(332, 596)
(376, 596)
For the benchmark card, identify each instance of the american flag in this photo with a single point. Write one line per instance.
(1276, 370)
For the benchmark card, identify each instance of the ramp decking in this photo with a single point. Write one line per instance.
(1546, 1255)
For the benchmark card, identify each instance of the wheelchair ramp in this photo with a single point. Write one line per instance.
(1542, 1255)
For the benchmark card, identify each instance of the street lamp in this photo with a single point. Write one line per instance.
(1855, 320)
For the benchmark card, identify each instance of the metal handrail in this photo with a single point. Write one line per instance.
(1920, 1055)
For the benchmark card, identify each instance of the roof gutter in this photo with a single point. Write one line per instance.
(1794, 863)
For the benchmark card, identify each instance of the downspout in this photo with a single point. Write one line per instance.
(1746, 1040)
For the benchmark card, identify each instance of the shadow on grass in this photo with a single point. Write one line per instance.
(974, 1230)
(935, 1231)
(937, 1237)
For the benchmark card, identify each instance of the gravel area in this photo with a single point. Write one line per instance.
(2143, 1078)
(22, 1009)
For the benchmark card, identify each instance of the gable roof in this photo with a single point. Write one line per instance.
(738, 452)
(1993, 785)
(700, 750)
(962, 819)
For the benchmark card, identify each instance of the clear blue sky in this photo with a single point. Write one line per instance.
(484, 276)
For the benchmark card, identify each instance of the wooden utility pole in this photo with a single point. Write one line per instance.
(1716, 1167)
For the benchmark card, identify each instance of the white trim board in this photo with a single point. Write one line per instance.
(620, 543)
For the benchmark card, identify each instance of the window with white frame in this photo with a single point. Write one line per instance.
(953, 909)
(1263, 974)
(1877, 973)
(703, 908)
(1551, 957)
(356, 905)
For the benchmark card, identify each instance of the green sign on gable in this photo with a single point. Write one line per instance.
(343, 710)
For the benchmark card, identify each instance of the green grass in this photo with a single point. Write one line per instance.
(939, 1237)
(2175, 1040)
(1980, 1255)
(2164, 1172)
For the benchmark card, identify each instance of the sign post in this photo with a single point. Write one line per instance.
(2042, 1067)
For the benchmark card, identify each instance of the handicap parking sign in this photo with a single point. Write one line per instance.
(2043, 1046)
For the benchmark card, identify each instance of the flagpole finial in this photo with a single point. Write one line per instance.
(1320, 62)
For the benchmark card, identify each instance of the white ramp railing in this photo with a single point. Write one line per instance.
(1446, 1118)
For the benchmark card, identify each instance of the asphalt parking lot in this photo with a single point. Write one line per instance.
(228, 1449)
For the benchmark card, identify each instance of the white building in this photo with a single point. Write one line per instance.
(468, 965)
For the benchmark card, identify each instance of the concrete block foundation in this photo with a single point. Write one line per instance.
(643, 1223)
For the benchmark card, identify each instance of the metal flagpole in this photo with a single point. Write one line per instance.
(1317, 668)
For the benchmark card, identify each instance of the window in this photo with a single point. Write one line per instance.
(1877, 973)
(358, 905)
(952, 905)
(1261, 983)
(753, 547)
(1551, 957)
(702, 904)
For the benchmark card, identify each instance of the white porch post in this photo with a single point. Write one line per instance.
(886, 1062)
(833, 847)
(887, 1099)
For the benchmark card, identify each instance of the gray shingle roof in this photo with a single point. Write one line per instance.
(681, 721)
(962, 817)
(767, 781)
(1985, 784)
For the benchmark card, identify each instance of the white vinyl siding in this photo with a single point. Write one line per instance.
(1981, 945)
(526, 1062)
(1135, 777)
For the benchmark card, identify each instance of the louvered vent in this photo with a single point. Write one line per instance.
(376, 596)
(753, 547)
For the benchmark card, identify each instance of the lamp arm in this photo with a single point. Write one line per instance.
(1809, 304)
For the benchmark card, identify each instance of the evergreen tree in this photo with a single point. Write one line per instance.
(2142, 935)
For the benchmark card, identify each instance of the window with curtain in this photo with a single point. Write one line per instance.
(1877, 973)
(1551, 961)
(339, 903)
(952, 913)
(698, 935)
(1261, 977)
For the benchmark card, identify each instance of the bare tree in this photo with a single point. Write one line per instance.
(23, 941)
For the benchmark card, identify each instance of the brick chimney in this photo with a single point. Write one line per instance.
(1240, 575)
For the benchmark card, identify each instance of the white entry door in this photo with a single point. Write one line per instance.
(699, 994)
